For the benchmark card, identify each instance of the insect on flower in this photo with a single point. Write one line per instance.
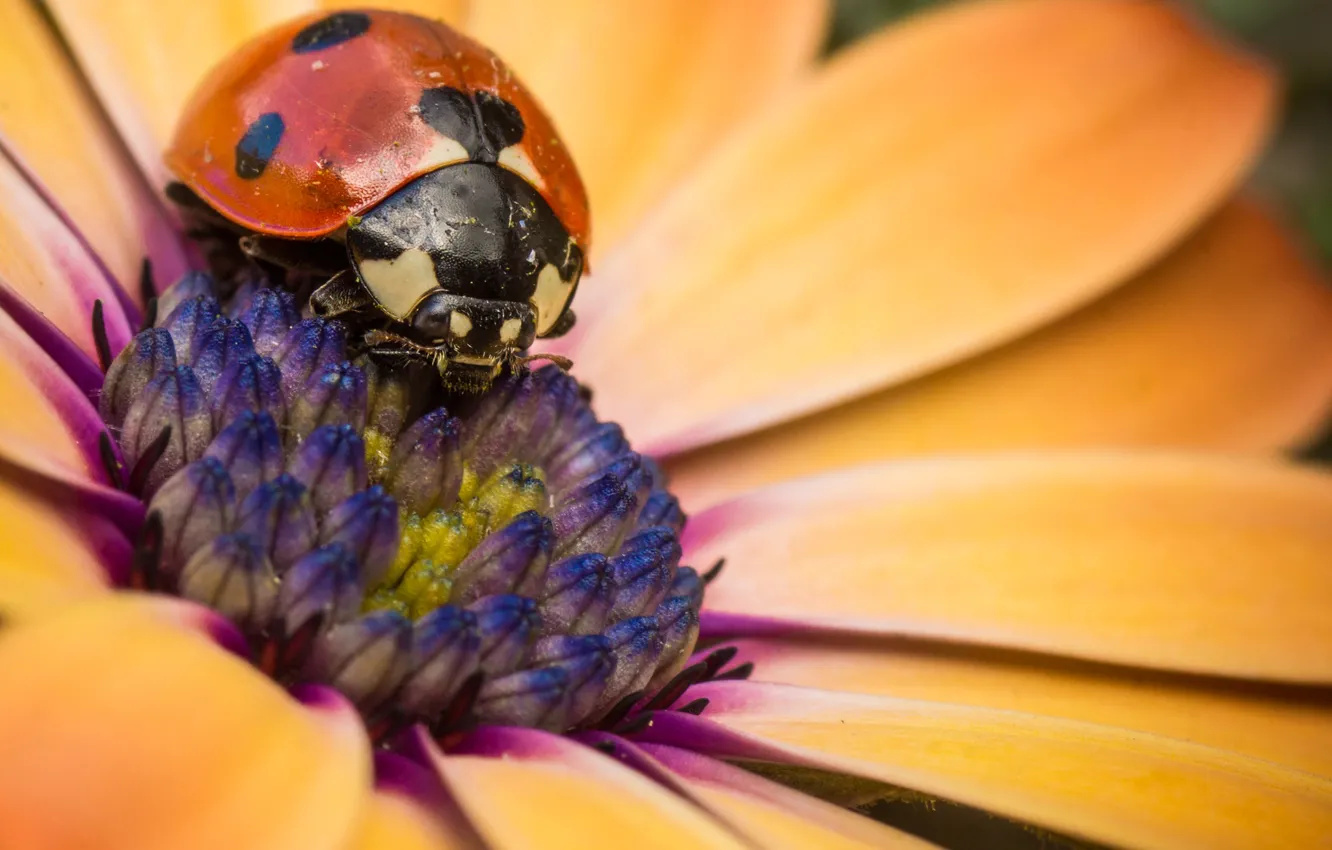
(262, 587)
(399, 170)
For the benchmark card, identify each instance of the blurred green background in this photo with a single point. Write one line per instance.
(1296, 36)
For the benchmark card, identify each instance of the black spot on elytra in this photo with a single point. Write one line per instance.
(484, 125)
(326, 32)
(451, 114)
(256, 147)
(501, 121)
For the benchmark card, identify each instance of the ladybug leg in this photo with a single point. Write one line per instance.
(562, 325)
(390, 344)
(319, 256)
(564, 364)
(343, 293)
(200, 219)
(183, 196)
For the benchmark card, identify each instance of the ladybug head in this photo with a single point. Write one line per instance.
(474, 329)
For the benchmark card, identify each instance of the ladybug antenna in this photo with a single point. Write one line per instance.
(564, 363)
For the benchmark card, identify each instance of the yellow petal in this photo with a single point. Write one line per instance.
(552, 805)
(781, 830)
(938, 190)
(48, 555)
(123, 728)
(1205, 565)
(1227, 344)
(51, 120)
(1289, 727)
(691, 778)
(775, 815)
(1124, 789)
(393, 822)
(641, 90)
(144, 57)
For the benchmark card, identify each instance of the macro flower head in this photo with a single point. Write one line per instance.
(838, 503)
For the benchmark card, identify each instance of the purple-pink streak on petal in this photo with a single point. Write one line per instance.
(701, 529)
(325, 700)
(80, 368)
(81, 270)
(70, 403)
(113, 548)
(58, 209)
(513, 741)
(706, 525)
(577, 751)
(163, 244)
(631, 755)
(725, 625)
(694, 765)
(404, 777)
(401, 775)
(712, 774)
(701, 735)
(71, 490)
(221, 631)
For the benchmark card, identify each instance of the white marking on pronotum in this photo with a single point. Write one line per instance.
(516, 160)
(398, 285)
(459, 324)
(510, 329)
(552, 294)
(444, 151)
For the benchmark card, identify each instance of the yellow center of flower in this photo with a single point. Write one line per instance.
(431, 547)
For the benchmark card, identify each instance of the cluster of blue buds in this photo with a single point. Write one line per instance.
(506, 555)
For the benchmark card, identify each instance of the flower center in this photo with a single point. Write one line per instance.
(505, 556)
(432, 547)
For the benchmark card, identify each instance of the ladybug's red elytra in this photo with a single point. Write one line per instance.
(464, 221)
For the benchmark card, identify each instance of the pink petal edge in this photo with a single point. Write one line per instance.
(84, 272)
(29, 176)
(67, 399)
(164, 247)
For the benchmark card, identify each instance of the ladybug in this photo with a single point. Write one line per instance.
(408, 163)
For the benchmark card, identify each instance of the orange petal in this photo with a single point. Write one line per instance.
(123, 730)
(393, 822)
(641, 90)
(585, 800)
(1227, 344)
(52, 121)
(775, 815)
(449, 11)
(144, 57)
(42, 260)
(47, 424)
(1290, 727)
(939, 189)
(49, 555)
(1124, 789)
(1204, 565)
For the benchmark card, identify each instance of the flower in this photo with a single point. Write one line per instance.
(1004, 226)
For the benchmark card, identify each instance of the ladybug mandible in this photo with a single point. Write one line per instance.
(406, 162)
